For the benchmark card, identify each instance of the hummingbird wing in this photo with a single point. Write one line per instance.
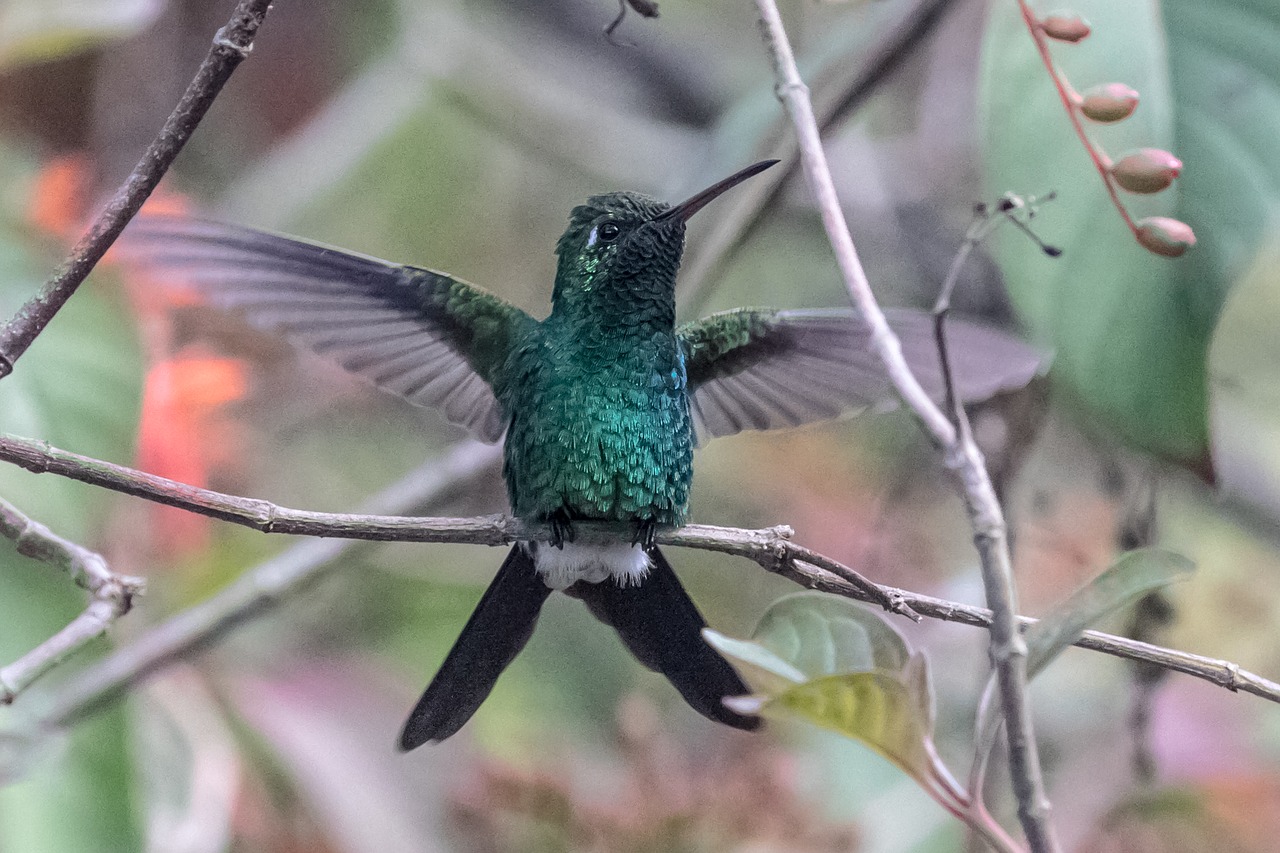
(661, 626)
(762, 368)
(426, 336)
(499, 628)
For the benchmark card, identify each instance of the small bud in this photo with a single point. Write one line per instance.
(1065, 26)
(1109, 102)
(1147, 170)
(1165, 236)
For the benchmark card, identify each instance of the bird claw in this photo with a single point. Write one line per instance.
(561, 531)
(645, 534)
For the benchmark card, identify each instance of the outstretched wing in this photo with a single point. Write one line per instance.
(760, 368)
(424, 335)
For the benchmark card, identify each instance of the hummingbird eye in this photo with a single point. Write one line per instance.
(609, 231)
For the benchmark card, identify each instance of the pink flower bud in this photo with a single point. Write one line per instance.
(1147, 170)
(1065, 26)
(1165, 236)
(1109, 102)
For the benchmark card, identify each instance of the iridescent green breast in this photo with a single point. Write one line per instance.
(599, 427)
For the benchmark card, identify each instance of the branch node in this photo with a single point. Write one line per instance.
(223, 39)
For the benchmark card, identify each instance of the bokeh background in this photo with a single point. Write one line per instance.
(458, 136)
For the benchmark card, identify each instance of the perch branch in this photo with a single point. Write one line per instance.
(271, 582)
(230, 46)
(1008, 651)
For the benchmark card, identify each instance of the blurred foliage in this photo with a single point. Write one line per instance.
(1135, 350)
(458, 136)
(49, 29)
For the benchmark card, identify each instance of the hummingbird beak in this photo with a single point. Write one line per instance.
(692, 205)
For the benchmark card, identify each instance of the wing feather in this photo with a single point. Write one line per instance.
(765, 369)
(426, 336)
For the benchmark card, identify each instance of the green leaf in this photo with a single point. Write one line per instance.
(77, 799)
(880, 709)
(843, 667)
(41, 30)
(823, 634)
(1133, 575)
(765, 670)
(1244, 362)
(1128, 344)
(1131, 331)
(78, 387)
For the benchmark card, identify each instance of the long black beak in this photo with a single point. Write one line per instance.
(692, 205)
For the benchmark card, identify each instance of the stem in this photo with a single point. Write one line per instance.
(1069, 99)
(231, 45)
(1008, 651)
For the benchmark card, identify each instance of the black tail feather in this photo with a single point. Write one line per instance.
(499, 628)
(661, 626)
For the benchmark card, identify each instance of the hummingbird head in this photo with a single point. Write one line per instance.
(624, 248)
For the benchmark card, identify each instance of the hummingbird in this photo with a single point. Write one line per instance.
(601, 404)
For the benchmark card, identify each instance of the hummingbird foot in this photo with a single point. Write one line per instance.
(645, 534)
(561, 529)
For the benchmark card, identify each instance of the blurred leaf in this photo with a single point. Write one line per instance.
(77, 387)
(764, 669)
(885, 711)
(331, 726)
(824, 634)
(1131, 576)
(77, 798)
(66, 791)
(1229, 814)
(1243, 363)
(187, 766)
(41, 30)
(1129, 338)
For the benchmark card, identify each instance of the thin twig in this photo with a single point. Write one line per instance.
(111, 596)
(771, 548)
(1008, 650)
(841, 86)
(231, 45)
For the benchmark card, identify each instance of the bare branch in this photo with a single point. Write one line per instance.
(231, 45)
(1008, 651)
(261, 588)
(111, 597)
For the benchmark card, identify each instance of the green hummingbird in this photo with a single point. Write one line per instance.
(601, 404)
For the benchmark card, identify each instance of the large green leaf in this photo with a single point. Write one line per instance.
(882, 710)
(841, 666)
(1130, 343)
(822, 634)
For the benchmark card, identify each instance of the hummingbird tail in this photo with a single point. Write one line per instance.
(502, 623)
(663, 629)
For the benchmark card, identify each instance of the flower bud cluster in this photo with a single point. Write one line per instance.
(1144, 171)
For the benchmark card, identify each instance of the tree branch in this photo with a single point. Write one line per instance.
(231, 45)
(268, 584)
(111, 597)
(1008, 651)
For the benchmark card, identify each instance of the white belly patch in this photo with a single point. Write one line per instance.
(560, 568)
